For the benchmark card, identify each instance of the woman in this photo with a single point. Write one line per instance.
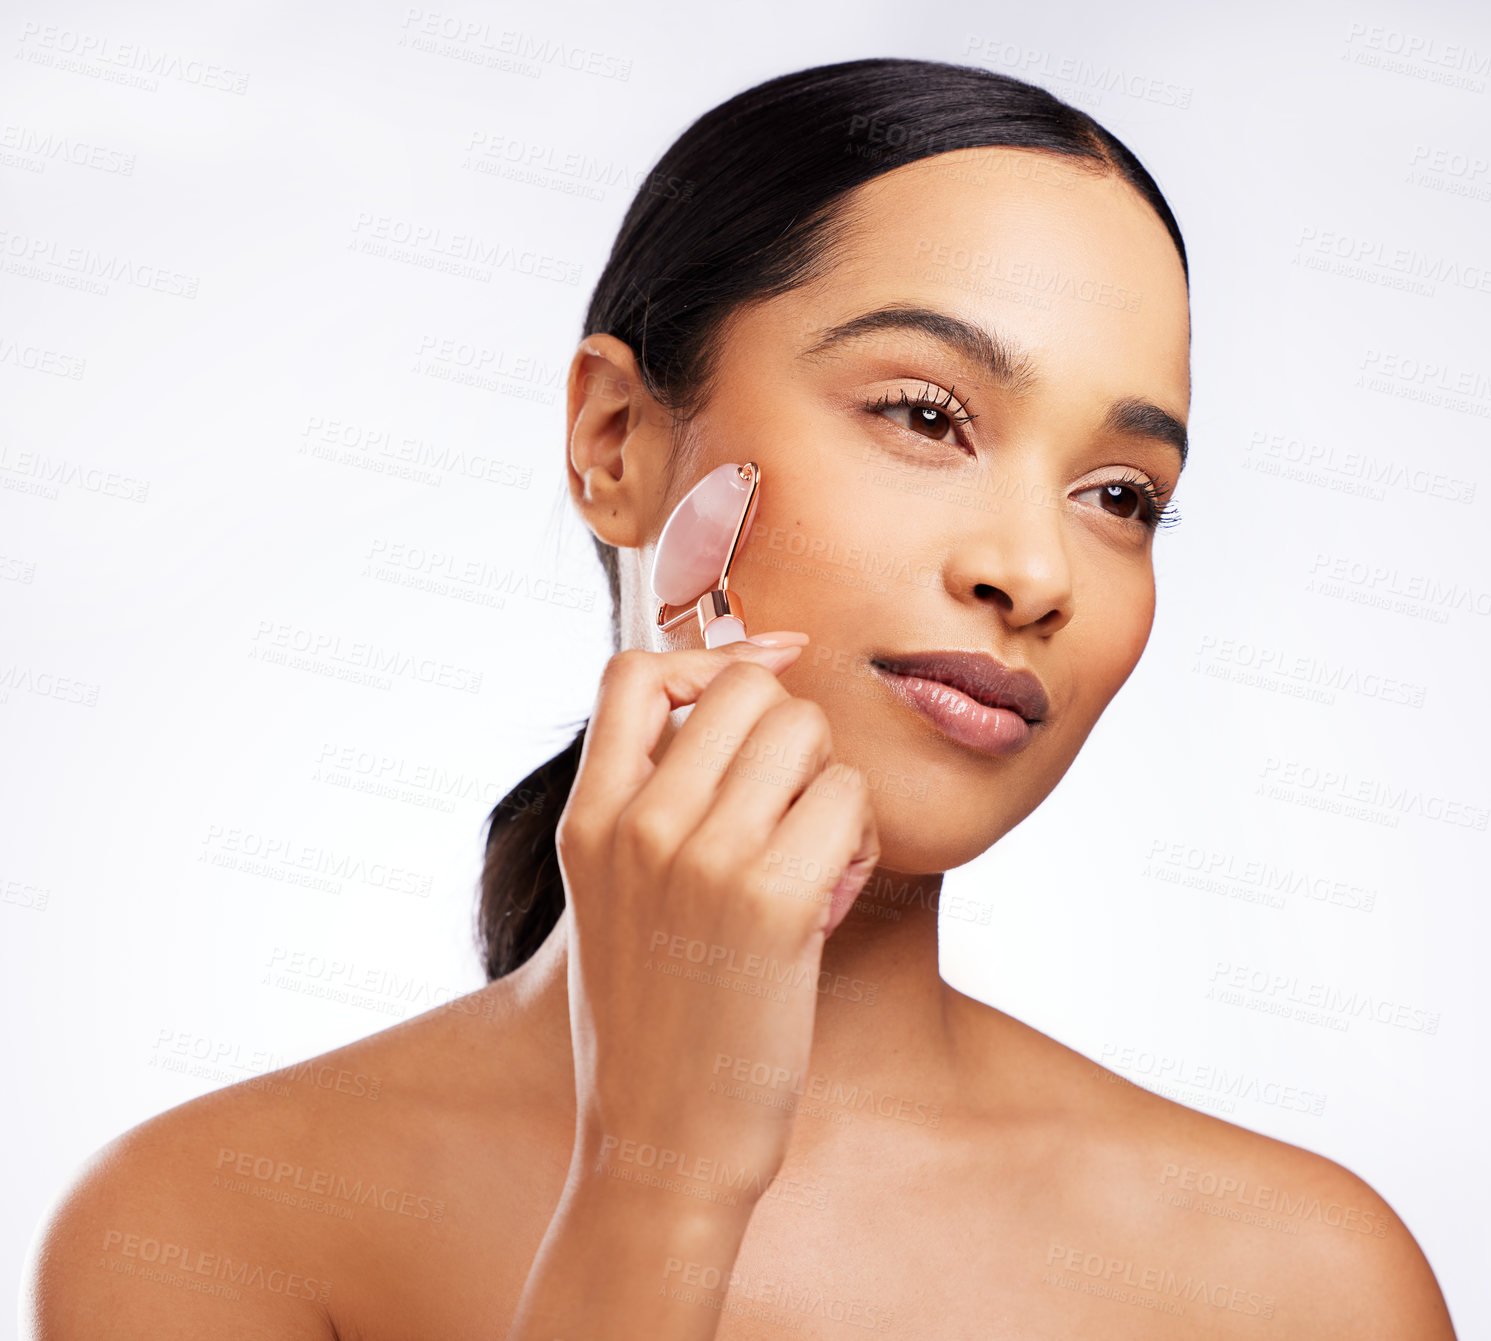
(716, 1086)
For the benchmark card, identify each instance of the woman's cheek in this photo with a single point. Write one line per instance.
(1120, 635)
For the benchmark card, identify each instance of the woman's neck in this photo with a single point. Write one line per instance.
(886, 1023)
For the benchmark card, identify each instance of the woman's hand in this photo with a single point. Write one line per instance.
(694, 932)
(700, 890)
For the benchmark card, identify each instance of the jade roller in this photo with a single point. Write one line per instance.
(698, 544)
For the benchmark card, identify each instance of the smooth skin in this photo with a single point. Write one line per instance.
(948, 1171)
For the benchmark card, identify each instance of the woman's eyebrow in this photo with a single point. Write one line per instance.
(1010, 367)
(1138, 418)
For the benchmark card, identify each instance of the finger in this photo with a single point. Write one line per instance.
(638, 690)
(825, 848)
(689, 777)
(766, 768)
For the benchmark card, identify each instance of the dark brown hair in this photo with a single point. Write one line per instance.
(747, 204)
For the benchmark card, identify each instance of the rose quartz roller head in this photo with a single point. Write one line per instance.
(696, 548)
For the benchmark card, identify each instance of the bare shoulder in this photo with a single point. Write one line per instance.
(1259, 1227)
(300, 1203)
(142, 1238)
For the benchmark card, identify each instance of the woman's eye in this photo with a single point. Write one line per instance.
(929, 416)
(1122, 500)
(926, 420)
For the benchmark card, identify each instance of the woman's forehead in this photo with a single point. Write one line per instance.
(1055, 280)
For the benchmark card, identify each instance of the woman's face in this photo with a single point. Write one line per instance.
(912, 528)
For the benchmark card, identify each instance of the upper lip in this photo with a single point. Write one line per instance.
(978, 675)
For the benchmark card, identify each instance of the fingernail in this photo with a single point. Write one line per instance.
(778, 638)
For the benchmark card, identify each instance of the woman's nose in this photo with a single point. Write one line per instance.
(1014, 557)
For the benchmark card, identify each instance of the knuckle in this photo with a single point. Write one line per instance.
(808, 714)
(622, 665)
(573, 835)
(802, 719)
(646, 833)
(754, 676)
(698, 863)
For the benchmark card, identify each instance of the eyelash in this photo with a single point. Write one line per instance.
(1156, 514)
(927, 399)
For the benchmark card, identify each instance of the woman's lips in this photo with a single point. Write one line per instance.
(960, 718)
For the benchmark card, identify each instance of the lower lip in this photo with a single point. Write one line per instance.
(960, 718)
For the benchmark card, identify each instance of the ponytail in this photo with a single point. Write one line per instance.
(522, 893)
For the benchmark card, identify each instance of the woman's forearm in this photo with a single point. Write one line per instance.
(623, 1262)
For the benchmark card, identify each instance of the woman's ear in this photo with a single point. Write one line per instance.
(617, 442)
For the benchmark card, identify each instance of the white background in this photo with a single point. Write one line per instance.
(185, 521)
